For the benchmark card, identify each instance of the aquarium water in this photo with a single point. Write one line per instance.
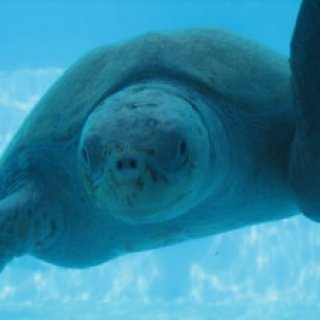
(263, 272)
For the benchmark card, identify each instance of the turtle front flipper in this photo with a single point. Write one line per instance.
(304, 166)
(20, 225)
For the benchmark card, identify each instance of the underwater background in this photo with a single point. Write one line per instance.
(269, 271)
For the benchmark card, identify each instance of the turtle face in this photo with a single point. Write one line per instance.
(144, 155)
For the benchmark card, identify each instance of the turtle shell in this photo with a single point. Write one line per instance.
(248, 76)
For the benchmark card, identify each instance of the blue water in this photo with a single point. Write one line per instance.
(270, 271)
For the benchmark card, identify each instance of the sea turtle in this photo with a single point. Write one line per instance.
(161, 139)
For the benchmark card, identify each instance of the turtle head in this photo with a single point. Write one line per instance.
(144, 154)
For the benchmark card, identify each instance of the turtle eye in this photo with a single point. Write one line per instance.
(182, 154)
(85, 157)
(183, 148)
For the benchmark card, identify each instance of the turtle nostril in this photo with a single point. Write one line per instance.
(133, 164)
(127, 163)
(119, 165)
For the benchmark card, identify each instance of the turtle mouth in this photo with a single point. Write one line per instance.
(143, 198)
(150, 215)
